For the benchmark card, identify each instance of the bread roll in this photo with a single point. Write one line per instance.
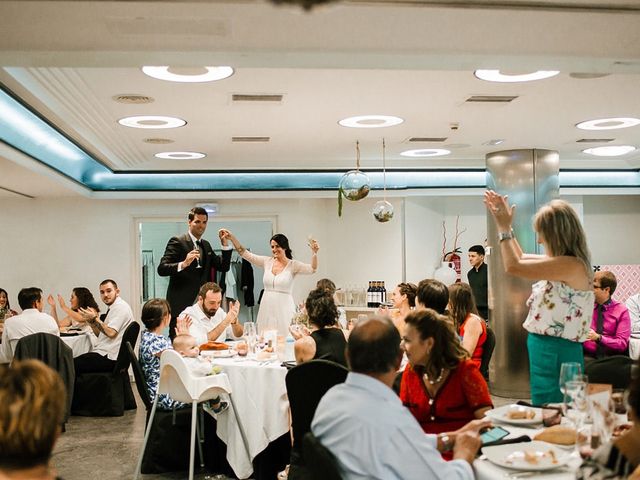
(558, 434)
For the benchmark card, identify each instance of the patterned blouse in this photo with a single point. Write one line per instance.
(557, 310)
(151, 345)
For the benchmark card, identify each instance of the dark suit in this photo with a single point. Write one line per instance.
(184, 285)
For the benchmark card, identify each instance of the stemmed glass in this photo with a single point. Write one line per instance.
(568, 371)
(196, 248)
(576, 403)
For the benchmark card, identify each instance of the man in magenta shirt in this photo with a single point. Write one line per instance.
(611, 324)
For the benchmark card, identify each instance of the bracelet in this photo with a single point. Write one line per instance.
(505, 235)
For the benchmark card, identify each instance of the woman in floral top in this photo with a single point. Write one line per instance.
(560, 306)
(156, 315)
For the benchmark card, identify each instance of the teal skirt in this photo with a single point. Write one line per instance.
(546, 354)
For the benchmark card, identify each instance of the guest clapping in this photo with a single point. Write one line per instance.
(441, 387)
(81, 297)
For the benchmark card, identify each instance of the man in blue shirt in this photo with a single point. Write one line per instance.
(372, 435)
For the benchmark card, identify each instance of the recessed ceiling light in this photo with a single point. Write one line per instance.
(496, 76)
(608, 123)
(180, 155)
(152, 121)
(371, 121)
(426, 152)
(197, 75)
(610, 150)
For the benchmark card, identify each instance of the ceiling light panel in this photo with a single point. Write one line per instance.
(497, 76)
(208, 74)
(371, 121)
(608, 123)
(426, 152)
(180, 155)
(610, 150)
(152, 121)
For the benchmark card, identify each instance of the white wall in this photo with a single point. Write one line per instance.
(58, 244)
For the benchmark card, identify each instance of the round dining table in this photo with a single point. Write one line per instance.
(79, 343)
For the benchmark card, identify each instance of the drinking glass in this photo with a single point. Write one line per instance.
(568, 371)
(250, 333)
(197, 258)
(576, 401)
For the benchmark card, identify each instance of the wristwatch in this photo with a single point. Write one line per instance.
(447, 444)
(505, 235)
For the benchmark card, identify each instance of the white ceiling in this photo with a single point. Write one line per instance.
(409, 59)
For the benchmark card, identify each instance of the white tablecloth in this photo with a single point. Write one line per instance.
(80, 344)
(485, 470)
(260, 395)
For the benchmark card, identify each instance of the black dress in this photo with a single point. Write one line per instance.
(330, 345)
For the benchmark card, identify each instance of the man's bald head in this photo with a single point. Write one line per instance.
(374, 346)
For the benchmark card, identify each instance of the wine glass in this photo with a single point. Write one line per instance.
(568, 371)
(196, 249)
(577, 403)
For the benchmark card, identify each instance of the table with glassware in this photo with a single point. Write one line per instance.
(536, 458)
(260, 396)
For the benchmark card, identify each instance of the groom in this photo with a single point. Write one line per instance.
(188, 260)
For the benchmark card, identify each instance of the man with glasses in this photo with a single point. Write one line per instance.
(611, 324)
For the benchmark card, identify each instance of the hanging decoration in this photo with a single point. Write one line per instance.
(354, 185)
(382, 210)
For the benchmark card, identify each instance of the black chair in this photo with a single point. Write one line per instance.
(321, 463)
(107, 394)
(52, 351)
(487, 351)
(614, 370)
(306, 385)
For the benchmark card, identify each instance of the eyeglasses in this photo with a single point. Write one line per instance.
(599, 286)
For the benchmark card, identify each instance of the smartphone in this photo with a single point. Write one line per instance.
(493, 435)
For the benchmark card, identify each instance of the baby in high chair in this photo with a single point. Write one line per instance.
(187, 346)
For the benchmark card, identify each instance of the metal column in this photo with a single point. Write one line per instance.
(530, 178)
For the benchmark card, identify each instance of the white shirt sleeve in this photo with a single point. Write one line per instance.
(252, 258)
(633, 305)
(299, 267)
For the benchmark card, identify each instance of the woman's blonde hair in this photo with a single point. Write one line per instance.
(559, 225)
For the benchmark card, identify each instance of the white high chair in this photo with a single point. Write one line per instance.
(177, 381)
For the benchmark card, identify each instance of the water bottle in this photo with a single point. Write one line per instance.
(289, 354)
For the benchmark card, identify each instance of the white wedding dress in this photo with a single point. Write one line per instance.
(277, 307)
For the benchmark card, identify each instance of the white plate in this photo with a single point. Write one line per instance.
(501, 414)
(219, 353)
(513, 456)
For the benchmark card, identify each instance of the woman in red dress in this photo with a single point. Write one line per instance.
(470, 326)
(441, 386)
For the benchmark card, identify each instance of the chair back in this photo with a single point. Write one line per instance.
(177, 380)
(141, 384)
(320, 461)
(306, 385)
(129, 335)
(51, 350)
(487, 351)
(614, 370)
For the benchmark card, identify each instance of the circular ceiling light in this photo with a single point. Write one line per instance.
(152, 121)
(371, 121)
(426, 152)
(180, 155)
(608, 123)
(610, 150)
(197, 75)
(496, 76)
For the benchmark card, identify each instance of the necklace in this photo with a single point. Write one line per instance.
(437, 380)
